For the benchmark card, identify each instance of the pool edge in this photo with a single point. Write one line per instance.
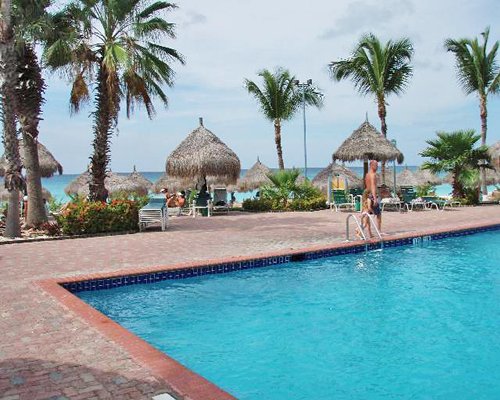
(181, 381)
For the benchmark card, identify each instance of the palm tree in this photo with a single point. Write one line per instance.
(377, 69)
(116, 45)
(31, 21)
(13, 177)
(455, 153)
(479, 72)
(279, 100)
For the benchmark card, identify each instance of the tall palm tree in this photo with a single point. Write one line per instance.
(115, 44)
(378, 70)
(13, 177)
(31, 21)
(478, 72)
(279, 99)
(455, 153)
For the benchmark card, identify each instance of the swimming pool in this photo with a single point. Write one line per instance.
(408, 322)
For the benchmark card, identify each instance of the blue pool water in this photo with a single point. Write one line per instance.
(415, 322)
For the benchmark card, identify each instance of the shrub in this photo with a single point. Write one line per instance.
(298, 204)
(308, 204)
(257, 205)
(88, 217)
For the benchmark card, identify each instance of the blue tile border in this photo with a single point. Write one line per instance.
(157, 276)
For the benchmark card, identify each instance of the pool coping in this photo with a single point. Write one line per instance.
(181, 381)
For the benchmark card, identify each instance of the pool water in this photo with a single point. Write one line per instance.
(415, 322)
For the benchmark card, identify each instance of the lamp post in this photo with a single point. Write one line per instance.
(393, 141)
(303, 86)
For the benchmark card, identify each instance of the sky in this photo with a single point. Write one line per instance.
(226, 41)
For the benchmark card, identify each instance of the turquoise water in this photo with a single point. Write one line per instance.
(56, 184)
(416, 322)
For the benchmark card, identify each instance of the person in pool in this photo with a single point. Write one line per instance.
(372, 205)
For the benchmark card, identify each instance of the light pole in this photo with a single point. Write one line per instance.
(393, 141)
(303, 87)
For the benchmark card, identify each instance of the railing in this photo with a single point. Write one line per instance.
(360, 228)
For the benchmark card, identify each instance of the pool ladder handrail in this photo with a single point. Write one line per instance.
(361, 230)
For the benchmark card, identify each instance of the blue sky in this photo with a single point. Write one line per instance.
(227, 40)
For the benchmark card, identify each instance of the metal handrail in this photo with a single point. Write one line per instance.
(358, 225)
(370, 217)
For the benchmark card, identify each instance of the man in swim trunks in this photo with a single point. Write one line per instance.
(372, 204)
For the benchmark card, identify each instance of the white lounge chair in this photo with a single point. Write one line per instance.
(154, 212)
(219, 202)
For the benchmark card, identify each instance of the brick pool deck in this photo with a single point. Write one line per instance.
(47, 351)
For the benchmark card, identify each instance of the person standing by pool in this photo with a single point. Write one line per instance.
(373, 206)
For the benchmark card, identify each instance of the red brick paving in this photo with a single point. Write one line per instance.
(48, 352)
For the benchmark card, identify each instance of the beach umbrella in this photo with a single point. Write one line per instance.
(426, 177)
(366, 143)
(202, 154)
(407, 178)
(494, 151)
(48, 164)
(4, 194)
(172, 184)
(254, 178)
(114, 183)
(141, 184)
(321, 179)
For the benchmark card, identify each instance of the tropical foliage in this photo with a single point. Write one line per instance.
(478, 72)
(279, 98)
(285, 193)
(377, 69)
(89, 217)
(455, 153)
(114, 49)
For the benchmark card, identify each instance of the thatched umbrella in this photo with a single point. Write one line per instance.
(172, 184)
(48, 164)
(426, 177)
(202, 154)
(114, 183)
(321, 179)
(366, 143)
(141, 184)
(4, 194)
(254, 178)
(407, 178)
(494, 151)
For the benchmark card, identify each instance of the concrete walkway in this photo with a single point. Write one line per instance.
(46, 352)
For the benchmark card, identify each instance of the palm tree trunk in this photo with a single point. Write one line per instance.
(457, 187)
(13, 177)
(383, 127)
(36, 211)
(29, 93)
(484, 126)
(105, 116)
(277, 140)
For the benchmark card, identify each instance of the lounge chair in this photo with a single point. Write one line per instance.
(440, 203)
(391, 202)
(341, 200)
(219, 202)
(154, 212)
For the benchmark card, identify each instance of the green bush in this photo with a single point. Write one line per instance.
(309, 204)
(88, 217)
(257, 205)
(299, 204)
